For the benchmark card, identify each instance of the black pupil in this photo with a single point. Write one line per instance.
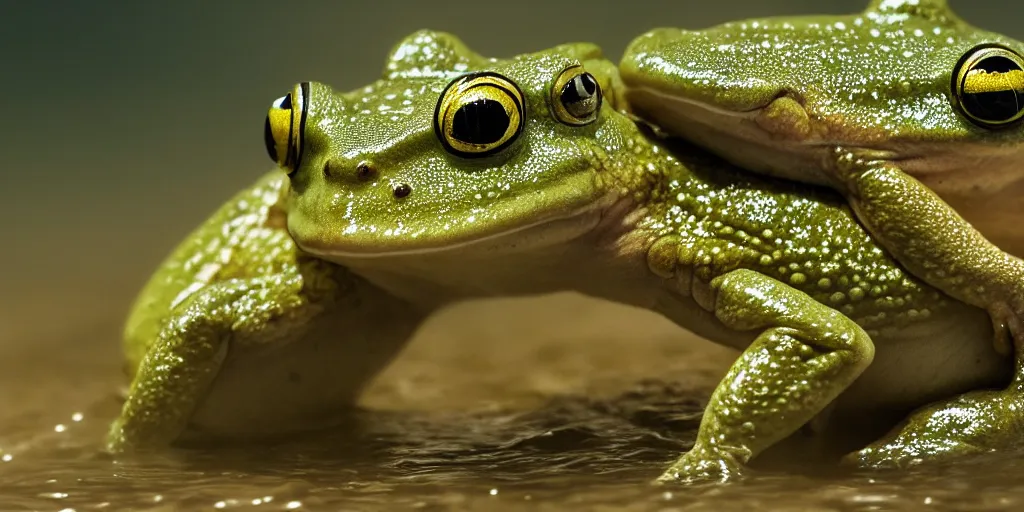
(482, 121)
(580, 95)
(998, 105)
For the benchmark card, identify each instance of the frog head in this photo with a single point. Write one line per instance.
(448, 149)
(905, 80)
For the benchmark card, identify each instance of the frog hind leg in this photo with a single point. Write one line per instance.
(182, 362)
(969, 424)
(806, 355)
(933, 242)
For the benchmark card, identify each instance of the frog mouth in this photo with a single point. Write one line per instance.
(751, 120)
(521, 223)
(746, 136)
(734, 134)
(539, 233)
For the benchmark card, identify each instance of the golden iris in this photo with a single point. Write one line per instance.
(479, 114)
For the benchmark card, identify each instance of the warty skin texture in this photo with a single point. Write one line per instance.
(273, 314)
(868, 104)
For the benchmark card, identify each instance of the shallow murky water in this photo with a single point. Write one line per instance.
(501, 406)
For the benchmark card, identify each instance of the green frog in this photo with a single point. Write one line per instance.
(895, 107)
(458, 176)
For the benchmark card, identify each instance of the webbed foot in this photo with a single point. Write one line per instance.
(970, 424)
(706, 465)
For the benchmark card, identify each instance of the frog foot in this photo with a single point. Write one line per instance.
(707, 465)
(910, 449)
(891, 455)
(971, 424)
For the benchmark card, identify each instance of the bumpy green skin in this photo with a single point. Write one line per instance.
(861, 103)
(777, 269)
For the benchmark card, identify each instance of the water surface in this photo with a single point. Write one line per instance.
(544, 404)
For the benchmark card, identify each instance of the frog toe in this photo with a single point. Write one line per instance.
(885, 455)
(704, 467)
(1008, 327)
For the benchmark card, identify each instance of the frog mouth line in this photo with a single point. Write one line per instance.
(572, 225)
(705, 114)
(703, 122)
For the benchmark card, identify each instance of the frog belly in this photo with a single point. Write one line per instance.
(930, 361)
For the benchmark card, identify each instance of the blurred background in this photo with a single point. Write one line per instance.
(126, 123)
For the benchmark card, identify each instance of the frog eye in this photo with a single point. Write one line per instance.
(479, 114)
(988, 86)
(576, 97)
(286, 121)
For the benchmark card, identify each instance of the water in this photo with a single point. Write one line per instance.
(549, 404)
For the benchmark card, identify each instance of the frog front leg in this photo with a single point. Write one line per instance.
(933, 242)
(183, 360)
(805, 356)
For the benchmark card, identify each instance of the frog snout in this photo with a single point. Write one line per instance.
(359, 172)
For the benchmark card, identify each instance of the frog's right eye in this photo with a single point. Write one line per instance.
(286, 122)
(988, 86)
(576, 97)
(479, 114)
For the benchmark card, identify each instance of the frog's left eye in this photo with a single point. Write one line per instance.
(479, 114)
(576, 97)
(988, 86)
(286, 122)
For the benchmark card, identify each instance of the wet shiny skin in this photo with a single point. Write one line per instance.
(862, 103)
(245, 329)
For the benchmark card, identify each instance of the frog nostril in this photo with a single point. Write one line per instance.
(402, 190)
(365, 170)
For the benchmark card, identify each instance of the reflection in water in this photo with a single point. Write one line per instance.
(559, 421)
